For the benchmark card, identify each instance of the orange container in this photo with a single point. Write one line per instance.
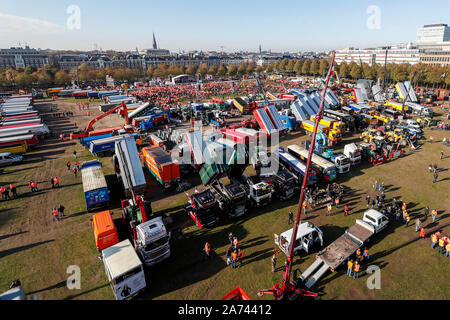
(105, 232)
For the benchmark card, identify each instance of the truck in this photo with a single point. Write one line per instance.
(334, 125)
(242, 105)
(203, 208)
(259, 193)
(106, 146)
(153, 241)
(347, 119)
(94, 185)
(105, 233)
(339, 251)
(334, 136)
(231, 198)
(296, 167)
(308, 235)
(155, 120)
(283, 182)
(352, 152)
(160, 164)
(124, 270)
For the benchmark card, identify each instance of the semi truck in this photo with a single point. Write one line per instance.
(259, 193)
(283, 183)
(339, 251)
(347, 119)
(231, 198)
(160, 164)
(203, 208)
(106, 146)
(94, 185)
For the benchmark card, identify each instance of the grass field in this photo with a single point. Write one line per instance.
(38, 250)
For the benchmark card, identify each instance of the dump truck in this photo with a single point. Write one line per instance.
(94, 185)
(259, 193)
(339, 251)
(334, 136)
(231, 198)
(308, 235)
(333, 124)
(160, 164)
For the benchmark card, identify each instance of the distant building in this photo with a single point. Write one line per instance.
(398, 54)
(433, 33)
(22, 58)
(435, 57)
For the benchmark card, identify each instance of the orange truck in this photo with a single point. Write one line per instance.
(105, 232)
(161, 166)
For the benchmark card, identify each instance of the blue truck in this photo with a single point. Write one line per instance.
(157, 119)
(289, 122)
(106, 146)
(85, 141)
(94, 185)
(296, 167)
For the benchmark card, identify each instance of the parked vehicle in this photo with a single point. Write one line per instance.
(203, 208)
(124, 270)
(94, 185)
(16, 148)
(231, 198)
(7, 158)
(161, 166)
(152, 241)
(345, 246)
(352, 152)
(105, 233)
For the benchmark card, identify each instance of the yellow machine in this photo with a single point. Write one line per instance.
(15, 148)
(396, 106)
(369, 135)
(334, 136)
(395, 136)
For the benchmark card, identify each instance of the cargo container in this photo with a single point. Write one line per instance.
(39, 130)
(94, 185)
(85, 141)
(105, 233)
(30, 139)
(17, 148)
(161, 166)
(106, 146)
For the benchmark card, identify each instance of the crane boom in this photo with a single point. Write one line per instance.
(288, 289)
(93, 121)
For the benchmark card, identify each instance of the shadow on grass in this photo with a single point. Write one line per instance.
(88, 291)
(7, 252)
(55, 286)
(6, 236)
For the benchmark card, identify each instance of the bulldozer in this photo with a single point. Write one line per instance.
(369, 135)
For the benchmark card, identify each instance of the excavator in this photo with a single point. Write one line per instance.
(89, 133)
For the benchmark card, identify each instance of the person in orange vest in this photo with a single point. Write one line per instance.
(56, 182)
(447, 248)
(55, 214)
(405, 213)
(234, 257)
(77, 164)
(366, 254)
(408, 219)
(305, 206)
(349, 267)
(336, 201)
(356, 269)
(404, 206)
(434, 240)
(235, 242)
(441, 246)
(13, 190)
(68, 164)
(346, 210)
(240, 257)
(434, 214)
(2, 191)
(422, 233)
(207, 250)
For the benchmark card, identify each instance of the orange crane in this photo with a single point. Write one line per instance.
(88, 132)
(291, 290)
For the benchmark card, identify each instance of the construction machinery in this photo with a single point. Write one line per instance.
(88, 131)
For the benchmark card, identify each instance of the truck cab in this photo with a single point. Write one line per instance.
(308, 235)
(375, 220)
(342, 162)
(152, 240)
(259, 192)
(284, 183)
(124, 270)
(232, 198)
(353, 153)
(203, 209)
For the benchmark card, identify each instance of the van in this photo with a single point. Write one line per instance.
(8, 158)
(308, 235)
(105, 232)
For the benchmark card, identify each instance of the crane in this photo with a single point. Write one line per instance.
(290, 290)
(75, 135)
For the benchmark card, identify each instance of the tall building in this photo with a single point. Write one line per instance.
(154, 42)
(433, 33)
(22, 58)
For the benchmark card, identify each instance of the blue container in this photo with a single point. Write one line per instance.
(96, 198)
(85, 141)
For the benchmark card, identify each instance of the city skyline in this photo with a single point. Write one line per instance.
(288, 27)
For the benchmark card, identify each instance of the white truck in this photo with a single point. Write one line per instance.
(124, 270)
(307, 235)
(353, 153)
(152, 241)
(339, 251)
(259, 193)
(8, 158)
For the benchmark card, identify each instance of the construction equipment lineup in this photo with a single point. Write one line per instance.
(218, 141)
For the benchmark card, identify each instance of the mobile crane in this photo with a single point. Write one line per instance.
(291, 290)
(88, 131)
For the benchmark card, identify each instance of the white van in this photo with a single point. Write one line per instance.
(124, 270)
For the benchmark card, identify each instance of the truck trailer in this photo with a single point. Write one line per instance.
(94, 185)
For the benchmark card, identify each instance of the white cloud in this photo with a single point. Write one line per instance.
(11, 24)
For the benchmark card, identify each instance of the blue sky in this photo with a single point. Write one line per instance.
(207, 25)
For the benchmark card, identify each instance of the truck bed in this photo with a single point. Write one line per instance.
(339, 251)
(361, 230)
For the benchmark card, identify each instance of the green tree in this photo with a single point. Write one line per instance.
(242, 69)
(24, 80)
(203, 69)
(270, 68)
(44, 79)
(232, 70)
(222, 70)
(324, 66)
(150, 71)
(283, 64)
(355, 71)
(191, 69)
(212, 70)
(290, 65)
(315, 67)
(306, 68)
(259, 69)
(344, 70)
(298, 67)
(251, 68)
(62, 78)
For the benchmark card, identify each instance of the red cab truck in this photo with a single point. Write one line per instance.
(161, 166)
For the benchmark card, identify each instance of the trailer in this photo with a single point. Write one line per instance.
(241, 105)
(275, 118)
(264, 121)
(86, 141)
(295, 166)
(161, 165)
(39, 130)
(339, 251)
(30, 139)
(94, 185)
(231, 198)
(106, 146)
(299, 113)
(128, 166)
(141, 111)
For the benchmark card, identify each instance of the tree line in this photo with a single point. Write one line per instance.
(47, 76)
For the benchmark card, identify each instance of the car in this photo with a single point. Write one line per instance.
(8, 158)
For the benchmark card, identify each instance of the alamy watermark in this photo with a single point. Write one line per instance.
(74, 280)
(374, 17)
(74, 19)
(374, 280)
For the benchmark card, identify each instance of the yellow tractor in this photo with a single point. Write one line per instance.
(396, 136)
(369, 135)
